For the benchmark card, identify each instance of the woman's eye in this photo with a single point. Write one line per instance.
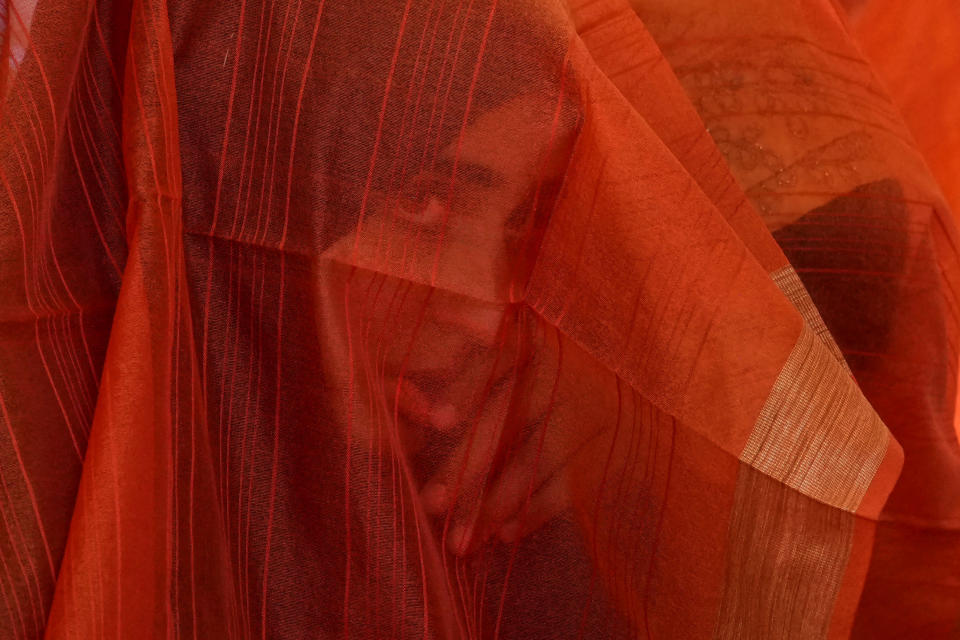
(425, 187)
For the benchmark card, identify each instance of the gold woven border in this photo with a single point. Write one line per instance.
(816, 431)
(790, 284)
(785, 562)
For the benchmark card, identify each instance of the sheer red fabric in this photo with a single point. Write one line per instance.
(470, 319)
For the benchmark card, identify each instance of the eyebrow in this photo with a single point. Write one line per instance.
(472, 172)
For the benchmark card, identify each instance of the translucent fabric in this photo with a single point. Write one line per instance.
(470, 319)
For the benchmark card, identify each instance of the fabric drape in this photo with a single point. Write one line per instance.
(474, 319)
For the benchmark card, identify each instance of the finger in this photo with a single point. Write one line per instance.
(547, 503)
(465, 468)
(415, 404)
(463, 471)
(542, 456)
(525, 474)
(533, 471)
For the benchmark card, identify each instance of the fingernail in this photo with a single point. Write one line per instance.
(510, 532)
(433, 212)
(459, 539)
(444, 417)
(435, 497)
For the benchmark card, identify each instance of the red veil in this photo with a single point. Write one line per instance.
(472, 319)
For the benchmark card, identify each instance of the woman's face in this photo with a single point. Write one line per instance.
(427, 288)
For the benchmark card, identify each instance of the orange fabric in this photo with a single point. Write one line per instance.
(916, 53)
(469, 319)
